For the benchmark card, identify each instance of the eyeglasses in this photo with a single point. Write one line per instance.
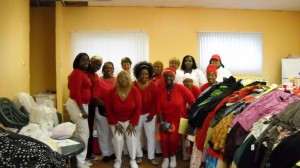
(169, 96)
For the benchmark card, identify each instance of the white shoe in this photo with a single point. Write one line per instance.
(165, 163)
(117, 164)
(133, 164)
(173, 162)
(88, 163)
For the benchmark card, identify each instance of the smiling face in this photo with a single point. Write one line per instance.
(84, 62)
(188, 63)
(157, 69)
(123, 80)
(96, 65)
(174, 64)
(211, 78)
(188, 83)
(126, 66)
(215, 62)
(108, 70)
(143, 76)
(169, 79)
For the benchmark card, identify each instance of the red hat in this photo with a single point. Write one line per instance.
(169, 70)
(216, 56)
(211, 68)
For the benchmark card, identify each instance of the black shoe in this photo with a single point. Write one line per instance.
(158, 154)
(105, 159)
(92, 157)
(112, 157)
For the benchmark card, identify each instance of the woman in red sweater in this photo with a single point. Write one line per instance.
(142, 72)
(211, 76)
(100, 93)
(77, 104)
(171, 103)
(123, 107)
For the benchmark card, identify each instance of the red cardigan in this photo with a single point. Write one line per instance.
(129, 109)
(80, 87)
(148, 99)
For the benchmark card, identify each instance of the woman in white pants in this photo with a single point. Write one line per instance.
(100, 93)
(123, 108)
(142, 72)
(77, 104)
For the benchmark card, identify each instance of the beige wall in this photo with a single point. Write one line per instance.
(42, 49)
(172, 32)
(14, 47)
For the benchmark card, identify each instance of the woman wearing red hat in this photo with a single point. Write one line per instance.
(211, 76)
(221, 71)
(171, 102)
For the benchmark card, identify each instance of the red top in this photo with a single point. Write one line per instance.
(174, 109)
(94, 77)
(148, 98)
(195, 91)
(204, 87)
(119, 110)
(80, 87)
(159, 81)
(102, 87)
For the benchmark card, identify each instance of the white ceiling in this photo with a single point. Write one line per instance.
(285, 5)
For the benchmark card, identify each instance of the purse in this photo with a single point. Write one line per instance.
(167, 127)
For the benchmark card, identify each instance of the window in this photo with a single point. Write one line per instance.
(111, 46)
(241, 53)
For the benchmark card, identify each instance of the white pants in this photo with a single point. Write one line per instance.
(149, 128)
(118, 141)
(82, 127)
(104, 134)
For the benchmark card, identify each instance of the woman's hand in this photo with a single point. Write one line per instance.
(119, 129)
(84, 114)
(130, 130)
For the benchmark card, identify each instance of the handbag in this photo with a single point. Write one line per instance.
(167, 127)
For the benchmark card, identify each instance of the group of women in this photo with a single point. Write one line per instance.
(157, 99)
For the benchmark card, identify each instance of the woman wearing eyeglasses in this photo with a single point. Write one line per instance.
(123, 108)
(171, 104)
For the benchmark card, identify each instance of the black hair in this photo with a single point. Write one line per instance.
(140, 66)
(220, 63)
(76, 61)
(183, 62)
(107, 63)
(126, 60)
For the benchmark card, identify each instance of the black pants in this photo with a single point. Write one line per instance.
(91, 117)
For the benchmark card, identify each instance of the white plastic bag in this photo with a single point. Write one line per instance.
(63, 130)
